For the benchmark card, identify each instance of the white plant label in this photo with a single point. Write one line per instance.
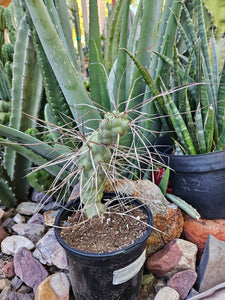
(126, 273)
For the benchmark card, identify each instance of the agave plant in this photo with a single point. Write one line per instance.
(107, 135)
(194, 108)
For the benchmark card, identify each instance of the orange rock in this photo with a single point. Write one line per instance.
(170, 224)
(168, 219)
(197, 231)
(54, 287)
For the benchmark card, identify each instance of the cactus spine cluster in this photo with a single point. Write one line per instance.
(94, 160)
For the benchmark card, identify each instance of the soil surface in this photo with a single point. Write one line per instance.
(110, 232)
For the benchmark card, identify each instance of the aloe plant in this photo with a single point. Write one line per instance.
(112, 126)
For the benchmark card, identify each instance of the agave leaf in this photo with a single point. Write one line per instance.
(36, 158)
(113, 34)
(82, 108)
(221, 102)
(191, 211)
(208, 129)
(178, 123)
(200, 130)
(119, 84)
(164, 181)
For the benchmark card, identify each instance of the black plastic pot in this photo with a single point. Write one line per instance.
(105, 276)
(198, 179)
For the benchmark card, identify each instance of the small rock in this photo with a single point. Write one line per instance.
(16, 283)
(31, 231)
(54, 287)
(11, 244)
(40, 197)
(197, 231)
(2, 212)
(28, 208)
(36, 219)
(8, 214)
(24, 289)
(8, 223)
(53, 205)
(3, 234)
(4, 283)
(50, 216)
(48, 251)
(5, 293)
(211, 267)
(19, 219)
(182, 282)
(28, 269)
(177, 255)
(167, 293)
(8, 270)
(4, 259)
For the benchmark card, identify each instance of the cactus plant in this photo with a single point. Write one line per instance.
(94, 160)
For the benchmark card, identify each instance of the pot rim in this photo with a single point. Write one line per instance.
(189, 163)
(170, 146)
(75, 251)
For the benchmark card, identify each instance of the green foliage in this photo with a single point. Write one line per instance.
(40, 180)
(217, 8)
(7, 52)
(191, 211)
(7, 196)
(9, 19)
(194, 109)
(164, 181)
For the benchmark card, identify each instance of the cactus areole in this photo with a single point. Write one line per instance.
(94, 160)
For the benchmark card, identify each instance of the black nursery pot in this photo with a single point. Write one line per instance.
(198, 179)
(105, 276)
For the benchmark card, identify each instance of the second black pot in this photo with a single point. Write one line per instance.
(198, 179)
(112, 276)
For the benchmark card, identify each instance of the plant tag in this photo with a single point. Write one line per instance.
(126, 273)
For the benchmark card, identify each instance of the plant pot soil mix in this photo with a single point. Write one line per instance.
(105, 254)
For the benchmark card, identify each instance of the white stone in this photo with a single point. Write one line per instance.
(50, 216)
(19, 218)
(31, 231)
(49, 252)
(28, 208)
(167, 293)
(2, 212)
(11, 244)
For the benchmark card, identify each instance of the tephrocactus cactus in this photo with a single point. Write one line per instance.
(95, 159)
